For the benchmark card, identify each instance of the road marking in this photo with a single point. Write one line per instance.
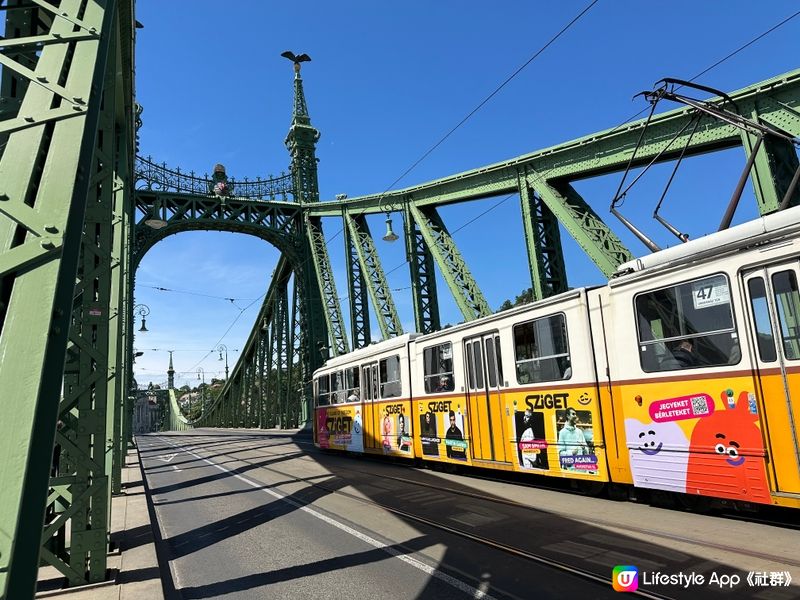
(177, 469)
(474, 592)
(167, 457)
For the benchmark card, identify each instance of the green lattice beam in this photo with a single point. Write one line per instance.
(45, 173)
(377, 285)
(592, 234)
(358, 296)
(543, 241)
(466, 292)
(423, 276)
(776, 161)
(322, 266)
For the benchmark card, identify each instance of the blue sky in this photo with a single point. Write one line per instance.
(386, 82)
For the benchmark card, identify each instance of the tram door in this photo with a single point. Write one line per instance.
(369, 383)
(774, 305)
(487, 425)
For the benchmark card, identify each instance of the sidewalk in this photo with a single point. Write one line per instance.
(133, 567)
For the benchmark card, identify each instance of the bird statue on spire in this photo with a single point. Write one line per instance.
(296, 59)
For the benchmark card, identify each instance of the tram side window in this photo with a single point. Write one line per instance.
(541, 350)
(765, 340)
(687, 326)
(323, 391)
(390, 377)
(787, 303)
(338, 394)
(352, 388)
(438, 368)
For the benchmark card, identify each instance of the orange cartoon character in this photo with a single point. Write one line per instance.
(727, 453)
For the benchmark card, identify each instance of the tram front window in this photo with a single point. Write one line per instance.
(687, 326)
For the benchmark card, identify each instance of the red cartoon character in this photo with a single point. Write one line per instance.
(727, 454)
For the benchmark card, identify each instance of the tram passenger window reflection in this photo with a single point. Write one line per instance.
(686, 326)
(438, 368)
(541, 350)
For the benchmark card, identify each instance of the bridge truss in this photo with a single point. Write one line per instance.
(75, 204)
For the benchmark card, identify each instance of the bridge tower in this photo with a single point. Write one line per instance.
(170, 374)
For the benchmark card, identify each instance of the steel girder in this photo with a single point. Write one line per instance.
(324, 274)
(267, 385)
(776, 161)
(58, 153)
(372, 272)
(275, 222)
(423, 276)
(592, 234)
(466, 292)
(543, 241)
(776, 100)
(357, 294)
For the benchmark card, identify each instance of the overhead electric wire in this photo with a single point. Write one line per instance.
(480, 104)
(470, 114)
(163, 289)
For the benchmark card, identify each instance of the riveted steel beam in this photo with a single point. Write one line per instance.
(423, 276)
(357, 294)
(370, 264)
(777, 101)
(543, 241)
(45, 173)
(776, 161)
(583, 224)
(463, 286)
(324, 273)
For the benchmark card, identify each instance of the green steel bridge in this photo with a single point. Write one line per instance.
(79, 210)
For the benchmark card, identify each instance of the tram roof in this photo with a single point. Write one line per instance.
(763, 229)
(373, 349)
(511, 312)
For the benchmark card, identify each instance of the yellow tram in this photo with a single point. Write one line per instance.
(681, 374)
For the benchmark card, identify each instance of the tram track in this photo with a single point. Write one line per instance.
(624, 528)
(539, 559)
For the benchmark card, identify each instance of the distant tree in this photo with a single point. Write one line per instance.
(524, 298)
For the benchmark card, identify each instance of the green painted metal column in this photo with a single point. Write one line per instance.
(356, 292)
(423, 275)
(543, 241)
(598, 241)
(45, 175)
(463, 286)
(370, 264)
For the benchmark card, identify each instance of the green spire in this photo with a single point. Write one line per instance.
(170, 373)
(301, 140)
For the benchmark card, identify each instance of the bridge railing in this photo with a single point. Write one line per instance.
(158, 177)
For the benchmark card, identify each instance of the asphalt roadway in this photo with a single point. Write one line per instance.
(253, 514)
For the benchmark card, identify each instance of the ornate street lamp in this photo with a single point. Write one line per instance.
(223, 348)
(142, 310)
(200, 372)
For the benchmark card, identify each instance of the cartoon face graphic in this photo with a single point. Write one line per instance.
(727, 453)
(732, 450)
(727, 433)
(647, 443)
(659, 453)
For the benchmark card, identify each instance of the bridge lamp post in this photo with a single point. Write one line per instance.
(223, 348)
(154, 221)
(200, 372)
(142, 310)
(390, 236)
